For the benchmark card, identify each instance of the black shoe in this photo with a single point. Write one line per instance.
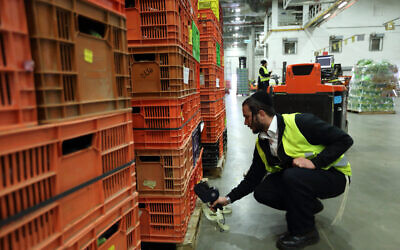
(291, 242)
(318, 207)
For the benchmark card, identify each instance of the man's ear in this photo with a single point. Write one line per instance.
(262, 113)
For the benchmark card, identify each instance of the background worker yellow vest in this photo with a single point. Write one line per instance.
(262, 78)
(295, 145)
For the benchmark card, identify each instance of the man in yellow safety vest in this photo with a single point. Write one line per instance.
(298, 159)
(263, 76)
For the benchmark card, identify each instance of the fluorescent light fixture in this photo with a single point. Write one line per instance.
(342, 4)
(327, 15)
(236, 28)
(237, 10)
(236, 35)
(235, 43)
(237, 18)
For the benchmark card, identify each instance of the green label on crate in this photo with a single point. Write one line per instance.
(88, 55)
(149, 184)
(218, 55)
(196, 42)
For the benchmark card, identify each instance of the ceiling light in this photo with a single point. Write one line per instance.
(237, 10)
(235, 43)
(236, 34)
(342, 4)
(237, 18)
(237, 28)
(327, 15)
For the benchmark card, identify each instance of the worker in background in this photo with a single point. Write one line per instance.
(298, 159)
(263, 76)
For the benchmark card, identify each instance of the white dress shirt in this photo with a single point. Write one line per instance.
(272, 136)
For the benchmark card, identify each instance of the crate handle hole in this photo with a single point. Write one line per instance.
(91, 27)
(76, 144)
(107, 234)
(130, 3)
(135, 110)
(150, 158)
(144, 57)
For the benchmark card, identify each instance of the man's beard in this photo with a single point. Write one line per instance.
(256, 125)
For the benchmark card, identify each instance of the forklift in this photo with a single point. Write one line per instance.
(313, 88)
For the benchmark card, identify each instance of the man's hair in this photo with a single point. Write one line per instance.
(263, 62)
(255, 106)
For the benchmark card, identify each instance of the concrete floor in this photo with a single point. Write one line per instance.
(372, 216)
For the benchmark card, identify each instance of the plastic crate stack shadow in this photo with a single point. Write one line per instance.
(212, 89)
(164, 50)
(242, 81)
(70, 183)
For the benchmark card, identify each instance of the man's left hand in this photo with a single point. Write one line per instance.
(303, 163)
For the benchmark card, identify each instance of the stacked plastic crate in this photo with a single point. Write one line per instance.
(70, 183)
(212, 89)
(163, 42)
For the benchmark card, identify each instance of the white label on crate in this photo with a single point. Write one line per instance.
(201, 79)
(149, 183)
(185, 75)
(217, 83)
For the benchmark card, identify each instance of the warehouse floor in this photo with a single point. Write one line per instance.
(372, 215)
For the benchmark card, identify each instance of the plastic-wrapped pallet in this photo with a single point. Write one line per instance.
(371, 87)
(242, 81)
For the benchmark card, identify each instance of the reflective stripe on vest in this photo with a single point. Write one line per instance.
(262, 78)
(296, 145)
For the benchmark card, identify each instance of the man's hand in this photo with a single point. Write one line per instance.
(303, 163)
(221, 200)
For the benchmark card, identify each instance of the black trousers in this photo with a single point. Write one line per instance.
(296, 190)
(263, 85)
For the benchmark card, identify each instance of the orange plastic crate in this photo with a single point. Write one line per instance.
(61, 157)
(17, 93)
(159, 22)
(212, 107)
(166, 138)
(211, 77)
(213, 127)
(164, 218)
(211, 94)
(81, 60)
(164, 113)
(117, 6)
(195, 177)
(164, 172)
(158, 72)
(43, 228)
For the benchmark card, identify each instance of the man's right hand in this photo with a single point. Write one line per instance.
(221, 200)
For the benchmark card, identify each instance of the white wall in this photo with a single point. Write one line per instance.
(232, 60)
(363, 17)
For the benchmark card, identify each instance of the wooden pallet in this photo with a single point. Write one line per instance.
(191, 236)
(371, 112)
(217, 171)
(192, 233)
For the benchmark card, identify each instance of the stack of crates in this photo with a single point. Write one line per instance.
(212, 89)
(163, 41)
(66, 144)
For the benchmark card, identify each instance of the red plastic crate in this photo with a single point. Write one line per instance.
(212, 107)
(61, 157)
(208, 51)
(158, 72)
(195, 177)
(164, 172)
(211, 77)
(159, 22)
(117, 6)
(164, 218)
(17, 93)
(166, 138)
(211, 94)
(50, 233)
(213, 127)
(81, 59)
(164, 113)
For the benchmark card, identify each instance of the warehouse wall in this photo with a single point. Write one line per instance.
(363, 17)
(232, 60)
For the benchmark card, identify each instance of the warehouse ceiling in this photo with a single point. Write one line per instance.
(240, 16)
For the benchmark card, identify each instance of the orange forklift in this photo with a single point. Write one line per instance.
(306, 91)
